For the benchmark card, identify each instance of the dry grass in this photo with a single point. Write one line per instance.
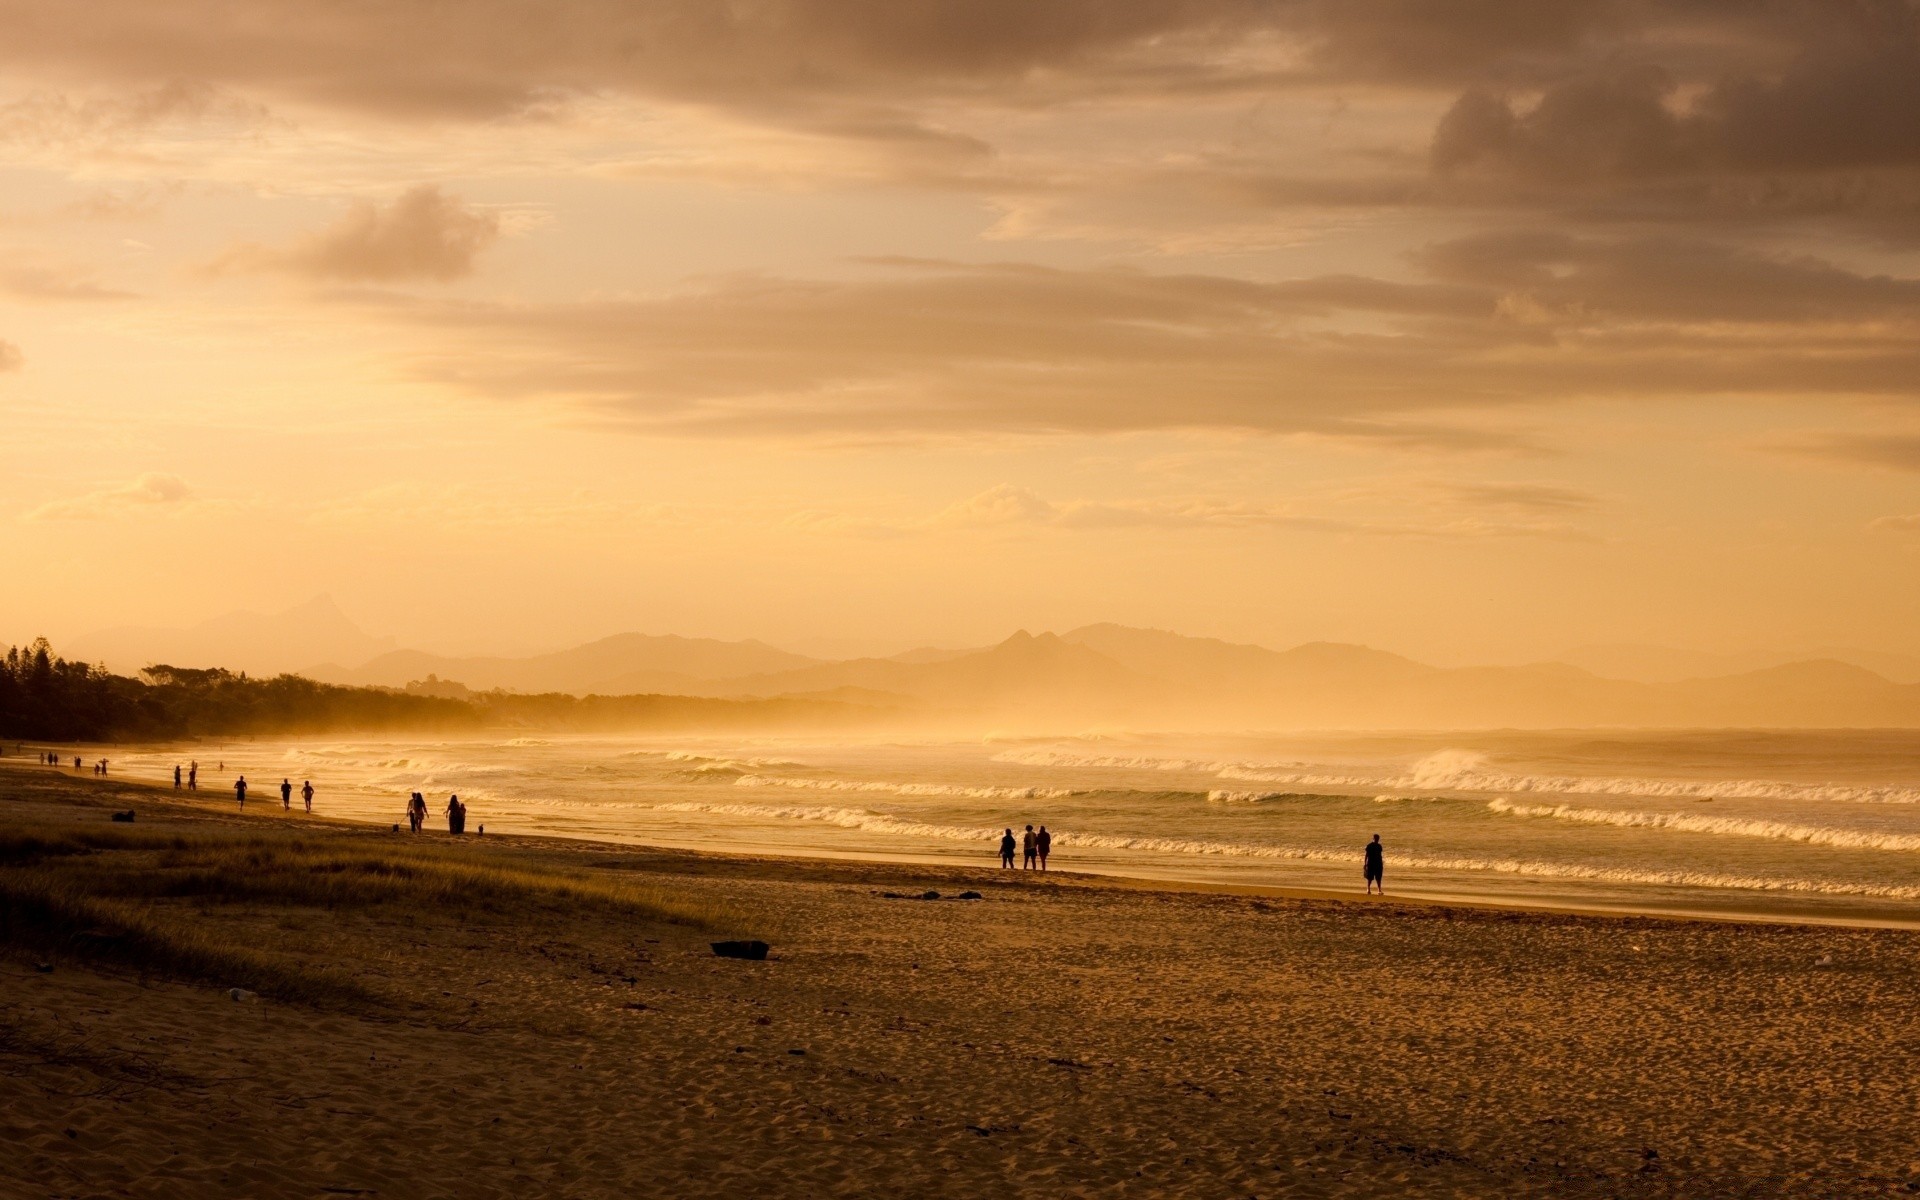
(138, 898)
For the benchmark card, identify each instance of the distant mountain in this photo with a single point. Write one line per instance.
(1655, 664)
(624, 664)
(1100, 674)
(258, 643)
(1666, 664)
(1023, 675)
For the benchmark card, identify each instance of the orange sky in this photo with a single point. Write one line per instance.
(1471, 331)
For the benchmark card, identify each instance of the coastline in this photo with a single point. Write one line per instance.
(1893, 916)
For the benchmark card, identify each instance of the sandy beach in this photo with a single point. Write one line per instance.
(1068, 1036)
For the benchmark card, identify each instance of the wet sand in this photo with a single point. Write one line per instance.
(1065, 1035)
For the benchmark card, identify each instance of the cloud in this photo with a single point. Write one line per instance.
(1083, 117)
(42, 283)
(57, 119)
(485, 509)
(929, 349)
(11, 359)
(1889, 451)
(423, 234)
(1522, 497)
(153, 490)
(1010, 508)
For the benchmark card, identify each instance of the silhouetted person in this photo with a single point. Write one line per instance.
(456, 814)
(1029, 850)
(240, 791)
(286, 794)
(306, 793)
(1375, 868)
(417, 812)
(1006, 849)
(176, 777)
(76, 762)
(193, 776)
(1045, 843)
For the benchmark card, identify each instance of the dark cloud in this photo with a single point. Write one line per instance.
(1677, 110)
(1665, 278)
(1017, 348)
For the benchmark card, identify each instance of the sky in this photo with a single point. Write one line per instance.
(1473, 331)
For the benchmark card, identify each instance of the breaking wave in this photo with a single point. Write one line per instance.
(1812, 835)
(908, 789)
(1469, 771)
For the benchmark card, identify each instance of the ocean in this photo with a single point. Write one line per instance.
(1806, 825)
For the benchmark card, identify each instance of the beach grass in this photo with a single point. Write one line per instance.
(138, 899)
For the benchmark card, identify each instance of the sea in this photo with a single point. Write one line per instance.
(1801, 825)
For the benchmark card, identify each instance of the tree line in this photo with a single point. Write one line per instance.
(44, 697)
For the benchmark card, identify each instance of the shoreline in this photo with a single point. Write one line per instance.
(1142, 881)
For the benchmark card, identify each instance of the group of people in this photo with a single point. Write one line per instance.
(1034, 848)
(53, 759)
(456, 811)
(240, 789)
(1035, 845)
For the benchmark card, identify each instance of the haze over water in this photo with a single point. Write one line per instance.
(1812, 825)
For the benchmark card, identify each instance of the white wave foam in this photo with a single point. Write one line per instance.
(1466, 771)
(1812, 835)
(855, 818)
(907, 789)
(1068, 758)
(845, 818)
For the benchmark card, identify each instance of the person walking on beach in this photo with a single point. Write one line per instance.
(417, 812)
(1006, 850)
(456, 815)
(306, 793)
(193, 776)
(1029, 850)
(240, 791)
(176, 777)
(1044, 841)
(286, 794)
(1375, 867)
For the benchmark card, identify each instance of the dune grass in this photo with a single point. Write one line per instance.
(137, 897)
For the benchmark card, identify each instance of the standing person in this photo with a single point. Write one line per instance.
(306, 793)
(176, 777)
(240, 791)
(286, 794)
(1006, 850)
(1045, 843)
(454, 813)
(76, 762)
(193, 776)
(1375, 867)
(1029, 850)
(416, 812)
